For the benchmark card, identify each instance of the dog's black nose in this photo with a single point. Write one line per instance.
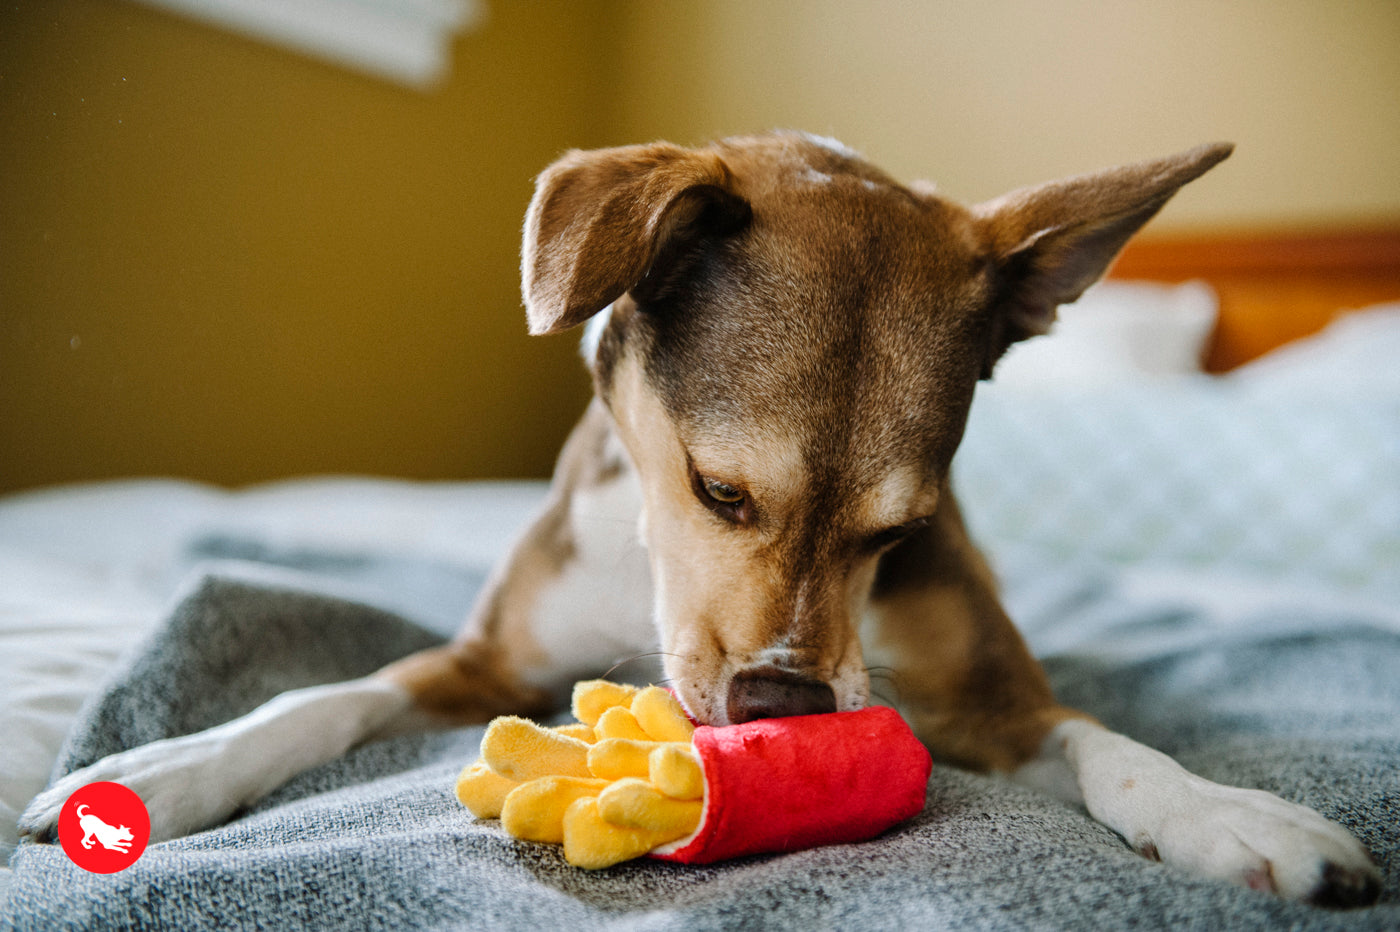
(772, 693)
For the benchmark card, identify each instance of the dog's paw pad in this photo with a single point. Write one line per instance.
(1346, 887)
(1267, 844)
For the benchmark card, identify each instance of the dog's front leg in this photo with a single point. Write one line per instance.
(194, 781)
(972, 692)
(961, 673)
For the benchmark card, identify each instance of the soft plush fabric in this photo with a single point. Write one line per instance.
(788, 784)
(376, 841)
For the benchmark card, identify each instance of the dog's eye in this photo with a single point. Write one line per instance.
(892, 536)
(721, 492)
(729, 502)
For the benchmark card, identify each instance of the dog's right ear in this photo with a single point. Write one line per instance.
(601, 221)
(1051, 242)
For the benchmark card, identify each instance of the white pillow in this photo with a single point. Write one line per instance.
(1192, 472)
(1357, 353)
(1117, 331)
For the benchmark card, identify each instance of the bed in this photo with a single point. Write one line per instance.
(1193, 506)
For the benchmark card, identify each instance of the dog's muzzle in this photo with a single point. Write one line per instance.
(769, 692)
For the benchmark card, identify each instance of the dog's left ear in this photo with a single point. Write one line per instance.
(601, 221)
(1051, 242)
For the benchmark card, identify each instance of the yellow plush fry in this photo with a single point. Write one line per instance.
(483, 791)
(577, 730)
(633, 803)
(534, 811)
(614, 758)
(592, 843)
(594, 697)
(661, 715)
(674, 771)
(618, 722)
(520, 750)
(548, 784)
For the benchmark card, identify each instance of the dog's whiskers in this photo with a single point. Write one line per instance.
(635, 658)
(890, 683)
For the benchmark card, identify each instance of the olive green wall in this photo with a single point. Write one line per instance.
(223, 261)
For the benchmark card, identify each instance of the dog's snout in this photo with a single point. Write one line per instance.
(773, 693)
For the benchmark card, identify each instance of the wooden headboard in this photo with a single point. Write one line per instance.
(1273, 287)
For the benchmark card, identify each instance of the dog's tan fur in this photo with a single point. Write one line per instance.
(787, 320)
(832, 387)
(790, 345)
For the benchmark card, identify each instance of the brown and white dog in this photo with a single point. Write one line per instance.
(784, 343)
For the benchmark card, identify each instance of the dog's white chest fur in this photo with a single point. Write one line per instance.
(597, 613)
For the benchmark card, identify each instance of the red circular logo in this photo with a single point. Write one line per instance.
(104, 827)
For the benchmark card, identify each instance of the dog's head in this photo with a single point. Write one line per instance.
(790, 350)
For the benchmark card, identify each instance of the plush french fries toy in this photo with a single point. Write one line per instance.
(635, 777)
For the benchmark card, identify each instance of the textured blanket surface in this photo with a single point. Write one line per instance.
(376, 841)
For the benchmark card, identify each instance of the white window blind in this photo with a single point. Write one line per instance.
(407, 41)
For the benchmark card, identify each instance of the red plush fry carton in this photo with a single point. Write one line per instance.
(783, 784)
(634, 776)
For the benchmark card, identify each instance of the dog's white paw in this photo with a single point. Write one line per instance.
(1260, 841)
(178, 779)
(1247, 837)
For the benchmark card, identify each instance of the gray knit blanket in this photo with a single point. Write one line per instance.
(1304, 704)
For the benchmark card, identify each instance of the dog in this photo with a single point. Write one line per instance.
(112, 837)
(784, 343)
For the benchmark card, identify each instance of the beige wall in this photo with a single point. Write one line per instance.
(984, 96)
(222, 261)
